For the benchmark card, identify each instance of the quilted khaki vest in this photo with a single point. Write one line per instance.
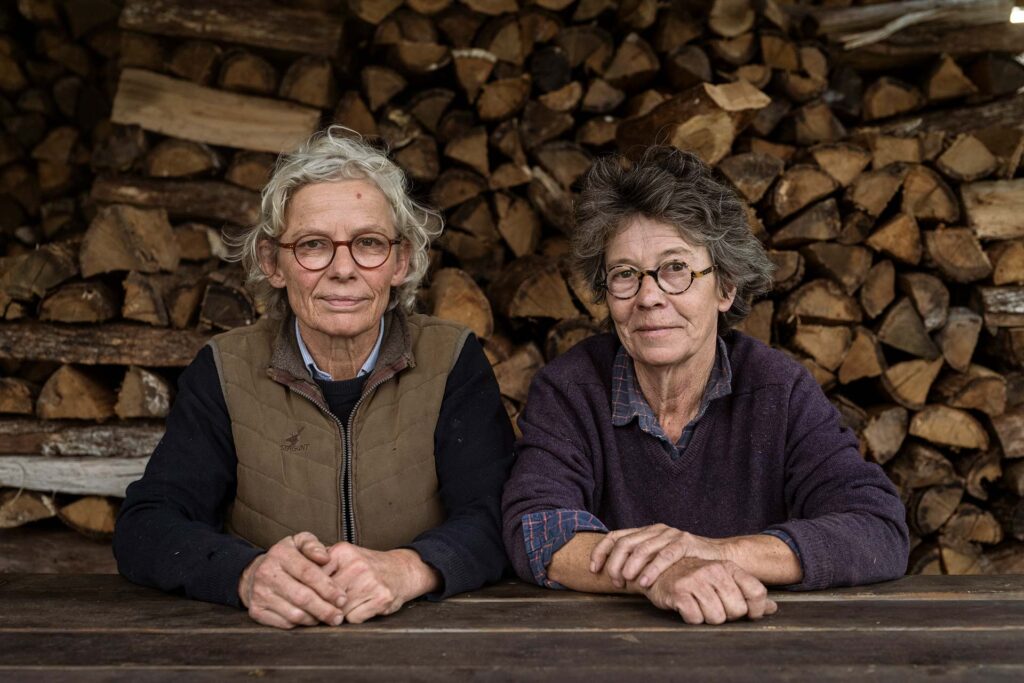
(292, 459)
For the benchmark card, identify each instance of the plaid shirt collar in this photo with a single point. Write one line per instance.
(628, 402)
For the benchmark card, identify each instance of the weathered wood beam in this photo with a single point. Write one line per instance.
(840, 21)
(923, 43)
(77, 475)
(249, 22)
(183, 109)
(114, 344)
(129, 439)
(1008, 112)
(188, 199)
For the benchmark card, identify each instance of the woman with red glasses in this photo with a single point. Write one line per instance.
(343, 455)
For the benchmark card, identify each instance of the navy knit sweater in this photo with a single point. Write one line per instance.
(772, 455)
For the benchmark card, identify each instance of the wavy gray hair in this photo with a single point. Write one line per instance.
(336, 153)
(675, 187)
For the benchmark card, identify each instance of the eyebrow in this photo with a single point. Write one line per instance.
(674, 251)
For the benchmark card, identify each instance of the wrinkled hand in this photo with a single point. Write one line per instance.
(290, 585)
(643, 553)
(378, 582)
(710, 592)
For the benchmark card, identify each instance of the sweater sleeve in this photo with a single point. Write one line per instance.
(169, 532)
(846, 517)
(473, 452)
(552, 472)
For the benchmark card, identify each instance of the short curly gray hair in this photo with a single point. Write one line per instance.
(336, 153)
(675, 187)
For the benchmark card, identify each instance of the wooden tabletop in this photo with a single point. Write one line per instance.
(95, 627)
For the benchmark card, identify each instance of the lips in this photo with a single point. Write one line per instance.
(342, 301)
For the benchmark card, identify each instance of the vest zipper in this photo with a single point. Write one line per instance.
(347, 448)
(345, 512)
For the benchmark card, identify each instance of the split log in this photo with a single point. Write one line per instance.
(919, 466)
(143, 394)
(980, 470)
(71, 393)
(567, 333)
(455, 186)
(1007, 558)
(798, 187)
(847, 265)
(17, 396)
(76, 475)
(126, 238)
(137, 438)
(902, 328)
(891, 149)
(704, 119)
(91, 516)
(925, 559)
(995, 208)
(888, 97)
(843, 161)
(1009, 510)
(879, 288)
(1007, 259)
(1002, 306)
(908, 383)
(518, 223)
(503, 98)
(232, 21)
(957, 254)
(927, 197)
(182, 199)
(515, 373)
(979, 389)
(864, 358)
(751, 173)
(789, 269)
(31, 275)
(931, 507)
(961, 558)
(194, 60)
(930, 297)
(551, 199)
(872, 191)
(949, 427)
(967, 159)
(22, 507)
(185, 110)
(180, 158)
(455, 296)
(826, 344)
(884, 432)
(958, 338)
(532, 287)
(1009, 429)
(80, 302)
(820, 301)
(758, 324)
(110, 344)
(143, 300)
(818, 223)
(244, 71)
(899, 238)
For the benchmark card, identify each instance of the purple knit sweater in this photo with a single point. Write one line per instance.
(772, 455)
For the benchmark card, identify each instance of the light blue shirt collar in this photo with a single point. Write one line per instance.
(319, 374)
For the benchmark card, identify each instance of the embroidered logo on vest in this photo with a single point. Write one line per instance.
(292, 443)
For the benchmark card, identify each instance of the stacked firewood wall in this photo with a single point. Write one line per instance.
(878, 146)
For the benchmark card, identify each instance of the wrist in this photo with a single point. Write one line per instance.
(245, 581)
(419, 577)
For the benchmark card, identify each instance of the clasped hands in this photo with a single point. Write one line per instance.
(299, 581)
(679, 571)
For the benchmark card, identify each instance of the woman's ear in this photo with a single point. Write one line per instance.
(726, 295)
(268, 263)
(403, 259)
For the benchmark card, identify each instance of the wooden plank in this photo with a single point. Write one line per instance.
(1007, 111)
(183, 109)
(113, 344)
(674, 651)
(247, 22)
(135, 438)
(919, 44)
(78, 475)
(1002, 306)
(995, 208)
(52, 548)
(204, 200)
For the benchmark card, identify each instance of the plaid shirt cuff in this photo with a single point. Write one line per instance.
(547, 531)
(785, 538)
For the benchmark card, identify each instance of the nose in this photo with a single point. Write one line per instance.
(649, 295)
(343, 266)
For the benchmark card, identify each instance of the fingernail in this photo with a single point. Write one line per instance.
(644, 581)
(340, 602)
(338, 620)
(593, 567)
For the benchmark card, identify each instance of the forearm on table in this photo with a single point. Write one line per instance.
(767, 558)
(570, 566)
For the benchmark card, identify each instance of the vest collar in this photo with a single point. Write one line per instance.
(287, 367)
